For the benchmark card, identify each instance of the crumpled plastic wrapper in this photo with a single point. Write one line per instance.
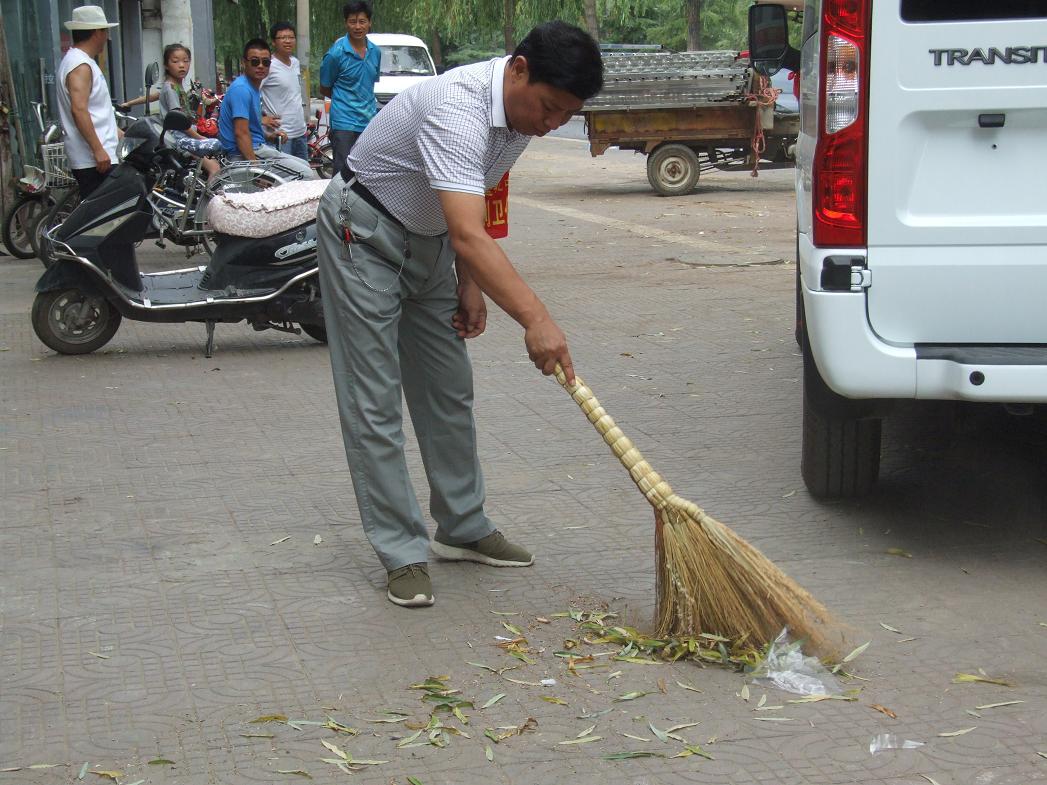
(788, 668)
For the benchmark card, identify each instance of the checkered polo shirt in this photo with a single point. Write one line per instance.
(445, 134)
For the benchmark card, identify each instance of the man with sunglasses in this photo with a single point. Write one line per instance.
(240, 120)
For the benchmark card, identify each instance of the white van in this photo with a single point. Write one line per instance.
(405, 61)
(921, 188)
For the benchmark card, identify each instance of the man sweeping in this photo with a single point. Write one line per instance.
(405, 263)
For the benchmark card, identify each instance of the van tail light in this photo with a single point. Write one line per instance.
(841, 158)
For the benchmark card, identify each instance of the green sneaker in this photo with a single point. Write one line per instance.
(410, 586)
(493, 550)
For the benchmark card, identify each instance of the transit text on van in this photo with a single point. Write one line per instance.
(1012, 55)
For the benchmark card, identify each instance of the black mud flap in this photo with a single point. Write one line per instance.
(68, 275)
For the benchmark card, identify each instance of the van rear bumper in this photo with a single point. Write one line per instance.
(857, 363)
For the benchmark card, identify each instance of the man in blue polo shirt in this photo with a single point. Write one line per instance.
(347, 75)
(240, 118)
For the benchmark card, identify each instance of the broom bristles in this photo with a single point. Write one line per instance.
(708, 578)
(711, 580)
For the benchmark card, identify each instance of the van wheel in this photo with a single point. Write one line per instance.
(672, 169)
(318, 332)
(841, 440)
(71, 321)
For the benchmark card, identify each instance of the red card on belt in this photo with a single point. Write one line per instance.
(497, 221)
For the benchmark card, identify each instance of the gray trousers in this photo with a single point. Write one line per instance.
(388, 301)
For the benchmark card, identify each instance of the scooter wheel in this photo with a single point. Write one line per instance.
(318, 332)
(71, 321)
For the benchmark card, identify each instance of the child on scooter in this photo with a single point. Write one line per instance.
(172, 95)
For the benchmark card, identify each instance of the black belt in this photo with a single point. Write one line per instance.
(367, 196)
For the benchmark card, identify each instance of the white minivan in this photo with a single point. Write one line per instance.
(405, 61)
(921, 188)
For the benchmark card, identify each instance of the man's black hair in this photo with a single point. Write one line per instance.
(279, 27)
(356, 7)
(563, 56)
(79, 36)
(255, 43)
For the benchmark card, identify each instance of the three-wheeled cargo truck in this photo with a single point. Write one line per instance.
(689, 112)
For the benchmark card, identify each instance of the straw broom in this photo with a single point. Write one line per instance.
(708, 578)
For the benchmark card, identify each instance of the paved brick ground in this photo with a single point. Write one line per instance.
(161, 586)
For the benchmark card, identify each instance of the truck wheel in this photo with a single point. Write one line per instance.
(672, 169)
(71, 321)
(841, 440)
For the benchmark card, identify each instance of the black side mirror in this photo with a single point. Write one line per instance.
(768, 38)
(152, 76)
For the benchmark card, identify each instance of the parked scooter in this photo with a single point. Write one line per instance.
(31, 203)
(35, 197)
(270, 281)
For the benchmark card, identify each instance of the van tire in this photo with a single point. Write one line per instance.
(841, 440)
(672, 169)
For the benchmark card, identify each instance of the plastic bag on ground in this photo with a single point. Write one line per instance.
(788, 668)
(888, 741)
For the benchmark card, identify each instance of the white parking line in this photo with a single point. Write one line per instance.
(642, 230)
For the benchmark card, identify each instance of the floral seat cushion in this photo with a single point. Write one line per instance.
(266, 212)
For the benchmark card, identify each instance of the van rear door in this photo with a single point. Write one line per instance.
(957, 184)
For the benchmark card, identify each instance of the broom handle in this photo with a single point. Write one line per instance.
(650, 483)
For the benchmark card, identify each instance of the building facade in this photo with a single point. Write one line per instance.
(36, 39)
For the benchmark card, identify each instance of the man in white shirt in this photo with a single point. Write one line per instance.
(405, 262)
(84, 106)
(282, 91)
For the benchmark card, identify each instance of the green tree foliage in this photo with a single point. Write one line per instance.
(470, 30)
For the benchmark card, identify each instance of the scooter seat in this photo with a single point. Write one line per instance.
(268, 212)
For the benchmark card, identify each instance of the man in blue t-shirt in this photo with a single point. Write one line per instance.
(347, 75)
(240, 118)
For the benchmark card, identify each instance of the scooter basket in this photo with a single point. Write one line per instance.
(55, 165)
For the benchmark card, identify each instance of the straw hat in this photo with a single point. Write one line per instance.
(89, 17)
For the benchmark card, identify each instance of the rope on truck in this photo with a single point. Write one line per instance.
(762, 95)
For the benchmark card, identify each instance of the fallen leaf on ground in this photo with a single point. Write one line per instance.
(631, 736)
(631, 696)
(161, 762)
(998, 705)
(493, 700)
(633, 754)
(971, 678)
(957, 732)
(296, 772)
(109, 775)
(99, 656)
(277, 542)
(269, 718)
(693, 749)
(687, 687)
(899, 552)
(552, 699)
(884, 710)
(583, 740)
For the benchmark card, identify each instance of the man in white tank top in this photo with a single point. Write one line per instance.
(84, 106)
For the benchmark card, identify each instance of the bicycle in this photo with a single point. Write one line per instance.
(321, 153)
